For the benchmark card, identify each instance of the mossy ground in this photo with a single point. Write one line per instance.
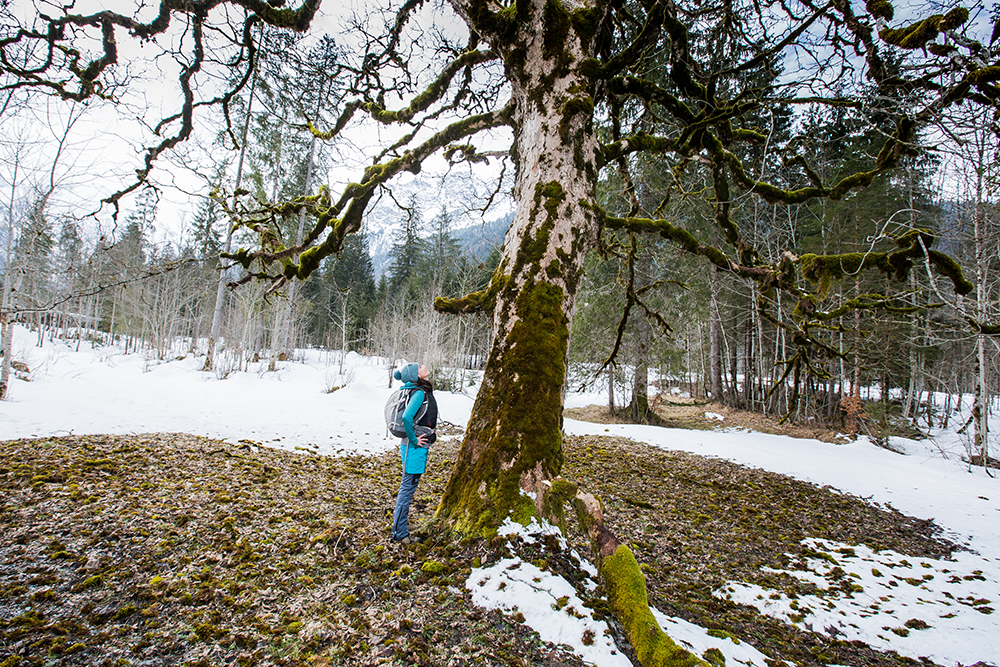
(695, 523)
(174, 549)
(167, 549)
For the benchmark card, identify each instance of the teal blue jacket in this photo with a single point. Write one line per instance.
(414, 456)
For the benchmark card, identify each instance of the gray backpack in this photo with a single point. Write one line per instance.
(396, 406)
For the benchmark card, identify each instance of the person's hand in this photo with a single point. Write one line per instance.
(422, 440)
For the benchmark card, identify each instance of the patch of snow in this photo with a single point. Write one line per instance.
(549, 604)
(698, 640)
(914, 606)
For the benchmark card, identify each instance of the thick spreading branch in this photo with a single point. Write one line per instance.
(688, 242)
(343, 217)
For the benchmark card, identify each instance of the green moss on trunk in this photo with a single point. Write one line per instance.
(554, 502)
(913, 36)
(515, 437)
(880, 8)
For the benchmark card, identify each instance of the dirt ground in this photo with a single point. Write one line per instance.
(682, 412)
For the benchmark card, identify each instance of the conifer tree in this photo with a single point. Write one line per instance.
(405, 258)
(342, 297)
(442, 257)
(69, 274)
(209, 221)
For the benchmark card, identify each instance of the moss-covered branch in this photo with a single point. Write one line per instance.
(626, 591)
(650, 92)
(682, 72)
(623, 580)
(636, 143)
(861, 31)
(821, 270)
(983, 328)
(896, 146)
(687, 241)
(646, 39)
(434, 92)
(475, 302)
(344, 216)
(868, 302)
(917, 34)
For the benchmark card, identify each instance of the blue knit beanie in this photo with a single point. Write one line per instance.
(407, 373)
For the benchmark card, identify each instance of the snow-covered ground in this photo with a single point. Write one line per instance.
(943, 610)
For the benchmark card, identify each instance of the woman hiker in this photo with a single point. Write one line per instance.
(413, 448)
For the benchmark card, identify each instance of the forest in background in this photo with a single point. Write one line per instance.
(648, 312)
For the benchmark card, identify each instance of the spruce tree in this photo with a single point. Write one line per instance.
(406, 257)
(442, 256)
(342, 297)
(209, 220)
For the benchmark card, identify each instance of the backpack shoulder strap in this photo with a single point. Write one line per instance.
(422, 410)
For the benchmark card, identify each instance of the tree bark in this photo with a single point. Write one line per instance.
(638, 409)
(514, 437)
(611, 388)
(7, 329)
(715, 338)
(7, 297)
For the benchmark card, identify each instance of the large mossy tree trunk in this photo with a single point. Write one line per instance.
(513, 445)
(514, 437)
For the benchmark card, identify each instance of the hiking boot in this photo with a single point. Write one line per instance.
(409, 539)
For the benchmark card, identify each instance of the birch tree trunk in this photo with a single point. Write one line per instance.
(980, 408)
(220, 293)
(7, 297)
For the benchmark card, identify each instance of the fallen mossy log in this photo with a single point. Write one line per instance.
(619, 571)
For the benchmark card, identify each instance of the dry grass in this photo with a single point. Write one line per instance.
(172, 549)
